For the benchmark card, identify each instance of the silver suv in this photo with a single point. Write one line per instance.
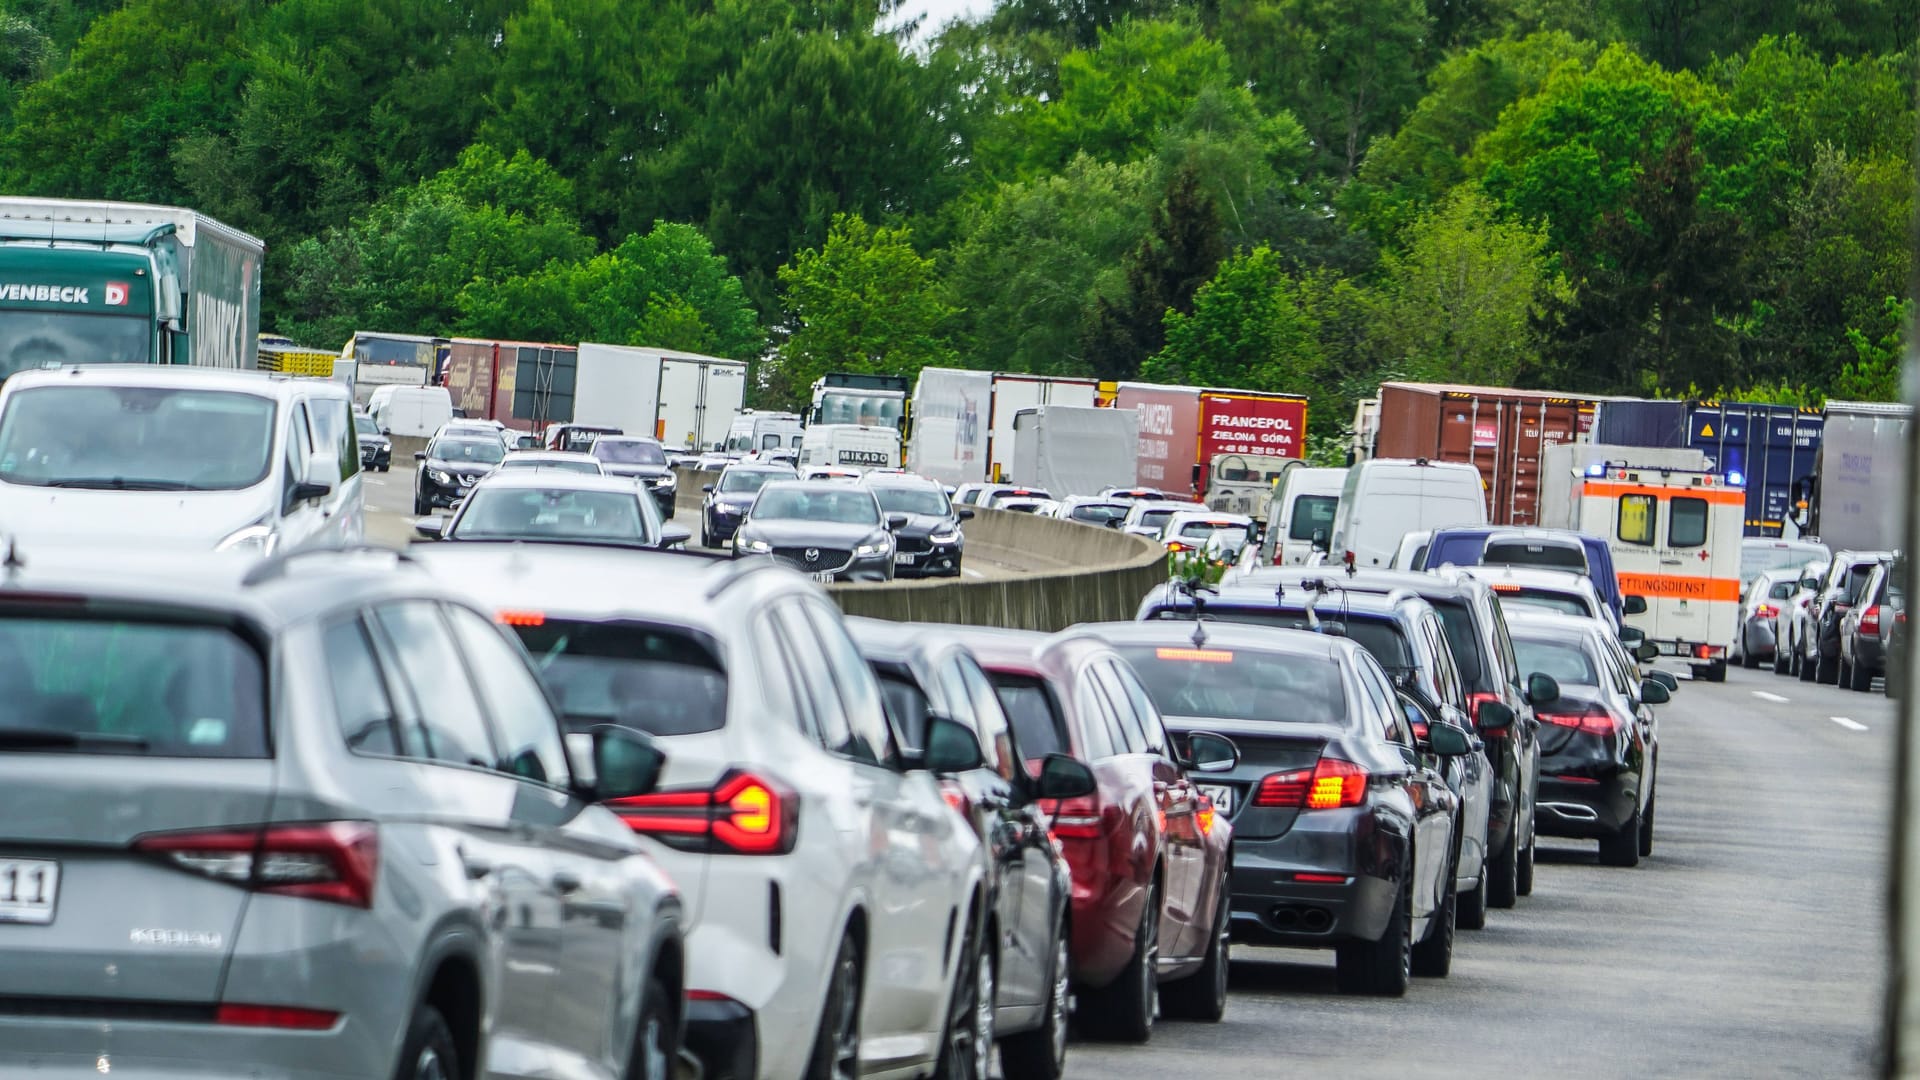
(311, 817)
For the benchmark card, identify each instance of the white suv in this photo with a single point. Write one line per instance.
(828, 886)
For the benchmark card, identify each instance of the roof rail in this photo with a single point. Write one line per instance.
(275, 566)
(741, 569)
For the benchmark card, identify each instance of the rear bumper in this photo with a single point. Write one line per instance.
(64, 1049)
(722, 1034)
(1870, 653)
(1759, 640)
(1587, 810)
(1272, 906)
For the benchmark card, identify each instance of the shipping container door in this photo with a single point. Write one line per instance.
(543, 385)
(720, 399)
(1011, 393)
(1470, 431)
(678, 418)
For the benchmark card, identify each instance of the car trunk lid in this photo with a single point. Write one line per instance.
(1265, 749)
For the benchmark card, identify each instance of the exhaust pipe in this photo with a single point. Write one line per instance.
(1316, 921)
(1570, 811)
(1284, 918)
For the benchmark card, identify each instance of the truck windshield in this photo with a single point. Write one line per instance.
(136, 438)
(38, 339)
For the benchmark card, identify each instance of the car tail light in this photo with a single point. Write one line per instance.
(1203, 814)
(1870, 620)
(955, 796)
(1076, 818)
(1709, 652)
(1593, 720)
(1331, 783)
(744, 813)
(1765, 611)
(1175, 546)
(1474, 701)
(1419, 731)
(274, 1016)
(1900, 618)
(335, 861)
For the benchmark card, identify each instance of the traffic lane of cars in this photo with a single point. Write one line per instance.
(1747, 944)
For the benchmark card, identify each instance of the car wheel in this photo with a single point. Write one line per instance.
(966, 1053)
(1782, 660)
(1124, 1011)
(1041, 1054)
(1503, 872)
(706, 534)
(1382, 968)
(1523, 868)
(836, 1045)
(1203, 994)
(429, 1052)
(1827, 672)
(1646, 826)
(655, 1040)
(1622, 848)
(1747, 658)
(1802, 666)
(1473, 905)
(1859, 678)
(420, 507)
(1433, 958)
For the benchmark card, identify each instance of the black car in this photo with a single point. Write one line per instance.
(449, 467)
(729, 498)
(1847, 578)
(1405, 635)
(1343, 824)
(376, 450)
(642, 460)
(1475, 624)
(924, 672)
(833, 531)
(931, 543)
(537, 506)
(1599, 746)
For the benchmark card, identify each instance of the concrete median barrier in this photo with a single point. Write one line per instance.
(688, 498)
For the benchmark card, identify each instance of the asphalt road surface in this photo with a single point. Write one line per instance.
(1749, 945)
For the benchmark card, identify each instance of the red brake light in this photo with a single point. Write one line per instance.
(1419, 731)
(743, 814)
(955, 796)
(274, 1016)
(1474, 701)
(1766, 611)
(1077, 818)
(1870, 620)
(1594, 720)
(522, 618)
(335, 861)
(1330, 784)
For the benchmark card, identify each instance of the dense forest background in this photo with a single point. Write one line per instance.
(1609, 196)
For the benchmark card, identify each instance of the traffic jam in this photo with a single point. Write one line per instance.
(567, 784)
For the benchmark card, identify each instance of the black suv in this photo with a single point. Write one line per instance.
(1847, 577)
(930, 543)
(449, 467)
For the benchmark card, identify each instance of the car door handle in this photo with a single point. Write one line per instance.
(566, 882)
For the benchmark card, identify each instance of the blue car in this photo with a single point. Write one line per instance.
(1551, 549)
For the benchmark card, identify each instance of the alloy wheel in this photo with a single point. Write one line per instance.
(1150, 962)
(983, 1005)
(430, 1065)
(846, 1021)
(1062, 998)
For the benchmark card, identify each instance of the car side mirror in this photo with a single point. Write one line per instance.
(674, 536)
(963, 513)
(431, 528)
(1632, 636)
(1666, 679)
(1061, 777)
(951, 747)
(1542, 689)
(626, 762)
(1445, 740)
(1495, 716)
(1646, 652)
(1210, 753)
(1634, 605)
(419, 455)
(896, 522)
(708, 488)
(1654, 692)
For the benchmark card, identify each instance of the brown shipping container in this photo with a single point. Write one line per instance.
(1501, 431)
(480, 380)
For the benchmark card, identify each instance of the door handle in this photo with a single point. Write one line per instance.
(475, 866)
(566, 882)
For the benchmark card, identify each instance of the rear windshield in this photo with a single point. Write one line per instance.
(750, 480)
(110, 686)
(1239, 684)
(629, 451)
(1312, 514)
(1544, 600)
(655, 680)
(1783, 590)
(1522, 553)
(1857, 578)
(1566, 661)
(1037, 725)
(1756, 559)
(555, 514)
(1098, 513)
(1156, 519)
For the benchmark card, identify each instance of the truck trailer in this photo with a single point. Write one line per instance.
(685, 400)
(1183, 429)
(1770, 450)
(963, 421)
(1855, 496)
(125, 283)
(1074, 449)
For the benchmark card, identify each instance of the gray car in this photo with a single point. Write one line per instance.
(309, 817)
(1766, 596)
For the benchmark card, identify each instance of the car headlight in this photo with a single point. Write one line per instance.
(752, 547)
(950, 537)
(440, 476)
(665, 481)
(878, 546)
(255, 539)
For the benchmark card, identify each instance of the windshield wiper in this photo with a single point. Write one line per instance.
(121, 483)
(17, 738)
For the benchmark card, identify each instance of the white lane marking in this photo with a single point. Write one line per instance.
(971, 572)
(1765, 696)
(1850, 725)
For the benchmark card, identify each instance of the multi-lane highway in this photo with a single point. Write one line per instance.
(1749, 945)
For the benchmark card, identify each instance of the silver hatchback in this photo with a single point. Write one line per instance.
(309, 817)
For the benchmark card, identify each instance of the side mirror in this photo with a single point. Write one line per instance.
(1646, 652)
(1634, 605)
(708, 488)
(419, 455)
(951, 747)
(963, 513)
(386, 431)
(1061, 777)
(1666, 679)
(896, 522)
(673, 536)
(625, 762)
(1654, 692)
(1210, 753)
(1542, 689)
(1495, 716)
(1448, 741)
(431, 528)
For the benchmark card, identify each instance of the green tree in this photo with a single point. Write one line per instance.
(1182, 250)
(864, 301)
(1248, 330)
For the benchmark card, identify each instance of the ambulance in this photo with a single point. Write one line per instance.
(1675, 537)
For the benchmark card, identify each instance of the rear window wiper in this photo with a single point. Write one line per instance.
(18, 738)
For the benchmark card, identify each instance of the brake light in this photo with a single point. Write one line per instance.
(1591, 721)
(955, 796)
(743, 814)
(334, 861)
(1329, 785)
(1175, 546)
(1766, 611)
(1419, 731)
(1870, 620)
(1474, 701)
(1077, 818)
(1709, 652)
(274, 1016)
(522, 618)
(1203, 815)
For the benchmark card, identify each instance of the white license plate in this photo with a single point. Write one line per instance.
(823, 575)
(1221, 795)
(27, 890)
(1669, 648)
(901, 559)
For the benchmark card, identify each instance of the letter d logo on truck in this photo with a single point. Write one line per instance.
(116, 294)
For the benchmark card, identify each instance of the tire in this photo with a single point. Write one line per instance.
(1124, 1011)
(1041, 1054)
(1502, 872)
(1782, 660)
(1713, 672)
(420, 507)
(1622, 848)
(1472, 913)
(1802, 666)
(1646, 826)
(429, 1052)
(1203, 995)
(1827, 672)
(1380, 968)
(656, 1039)
(706, 534)
(966, 1049)
(1747, 659)
(836, 1042)
(1433, 958)
(1859, 678)
(1523, 876)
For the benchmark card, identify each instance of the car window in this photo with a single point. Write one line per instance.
(1857, 581)
(446, 724)
(1142, 708)
(523, 722)
(866, 716)
(1635, 522)
(1456, 619)
(996, 735)
(655, 679)
(808, 668)
(1133, 731)
(1686, 522)
(1388, 721)
(1565, 660)
(1311, 514)
(1099, 727)
(954, 697)
(1445, 673)
(906, 705)
(333, 426)
(297, 448)
(360, 701)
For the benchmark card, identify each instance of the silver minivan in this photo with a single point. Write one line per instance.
(181, 457)
(309, 817)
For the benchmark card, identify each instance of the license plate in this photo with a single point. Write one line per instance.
(27, 890)
(901, 559)
(823, 575)
(1669, 648)
(1221, 795)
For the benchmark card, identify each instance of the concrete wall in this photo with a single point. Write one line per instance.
(687, 497)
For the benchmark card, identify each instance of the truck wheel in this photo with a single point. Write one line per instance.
(1712, 672)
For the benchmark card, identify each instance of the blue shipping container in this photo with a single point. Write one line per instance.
(1767, 447)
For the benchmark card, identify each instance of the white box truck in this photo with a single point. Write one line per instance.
(1011, 394)
(685, 400)
(1074, 449)
(963, 420)
(1856, 494)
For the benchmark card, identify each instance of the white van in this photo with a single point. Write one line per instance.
(1303, 506)
(1383, 500)
(851, 446)
(417, 411)
(180, 457)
